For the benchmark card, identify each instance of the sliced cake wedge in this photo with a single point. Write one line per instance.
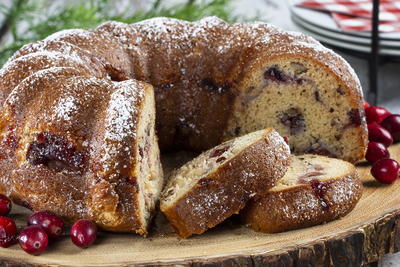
(315, 189)
(219, 182)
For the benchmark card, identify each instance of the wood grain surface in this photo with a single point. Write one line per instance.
(370, 231)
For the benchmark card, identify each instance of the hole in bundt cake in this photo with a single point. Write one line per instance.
(209, 84)
(293, 119)
(183, 130)
(55, 152)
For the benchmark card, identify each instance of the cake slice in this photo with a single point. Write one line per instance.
(314, 190)
(219, 182)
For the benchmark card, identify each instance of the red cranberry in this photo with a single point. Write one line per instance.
(377, 133)
(83, 233)
(376, 114)
(376, 151)
(320, 189)
(33, 240)
(276, 75)
(49, 221)
(293, 119)
(8, 232)
(385, 170)
(219, 152)
(55, 152)
(366, 104)
(392, 124)
(5, 205)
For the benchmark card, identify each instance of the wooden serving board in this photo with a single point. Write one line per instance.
(363, 236)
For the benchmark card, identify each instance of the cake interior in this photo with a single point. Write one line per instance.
(305, 169)
(182, 180)
(148, 167)
(305, 102)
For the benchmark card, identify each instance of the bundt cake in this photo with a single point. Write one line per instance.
(245, 76)
(82, 147)
(314, 190)
(219, 182)
(63, 97)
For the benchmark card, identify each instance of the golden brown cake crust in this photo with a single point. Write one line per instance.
(301, 206)
(81, 183)
(226, 190)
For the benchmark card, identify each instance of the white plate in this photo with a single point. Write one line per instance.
(324, 20)
(347, 45)
(343, 37)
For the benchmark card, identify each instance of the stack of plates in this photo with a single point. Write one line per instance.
(322, 27)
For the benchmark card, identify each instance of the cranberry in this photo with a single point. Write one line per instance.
(5, 205)
(320, 189)
(55, 152)
(366, 104)
(293, 120)
(377, 133)
(276, 75)
(220, 159)
(8, 232)
(218, 152)
(355, 117)
(392, 124)
(376, 151)
(49, 221)
(33, 240)
(376, 114)
(385, 170)
(83, 233)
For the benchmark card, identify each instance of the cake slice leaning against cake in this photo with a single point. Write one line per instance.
(315, 189)
(82, 147)
(219, 182)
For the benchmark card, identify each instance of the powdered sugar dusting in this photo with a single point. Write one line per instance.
(65, 107)
(30, 81)
(120, 123)
(188, 193)
(121, 113)
(69, 32)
